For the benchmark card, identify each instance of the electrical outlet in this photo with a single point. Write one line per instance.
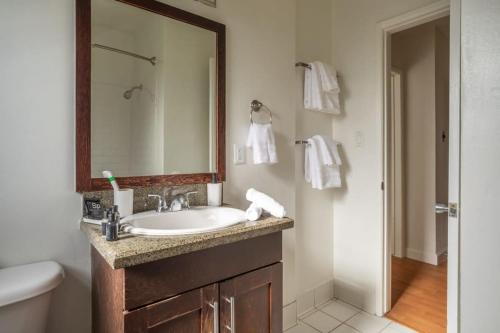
(239, 154)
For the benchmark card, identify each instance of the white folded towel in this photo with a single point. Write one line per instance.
(261, 140)
(321, 89)
(266, 202)
(253, 212)
(322, 163)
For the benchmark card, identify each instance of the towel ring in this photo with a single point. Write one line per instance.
(256, 106)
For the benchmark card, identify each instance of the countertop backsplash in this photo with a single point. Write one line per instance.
(143, 203)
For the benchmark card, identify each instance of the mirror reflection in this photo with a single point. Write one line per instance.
(153, 93)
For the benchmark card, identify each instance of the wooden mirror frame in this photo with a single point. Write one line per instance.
(84, 180)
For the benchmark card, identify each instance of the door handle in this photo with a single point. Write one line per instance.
(231, 327)
(215, 307)
(441, 208)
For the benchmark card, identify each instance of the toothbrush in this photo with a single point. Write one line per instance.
(112, 180)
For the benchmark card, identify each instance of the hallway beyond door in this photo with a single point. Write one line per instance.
(419, 295)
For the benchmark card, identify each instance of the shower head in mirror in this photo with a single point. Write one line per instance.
(128, 94)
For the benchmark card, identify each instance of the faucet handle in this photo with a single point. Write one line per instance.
(161, 201)
(187, 194)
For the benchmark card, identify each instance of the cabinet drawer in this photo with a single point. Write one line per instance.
(148, 283)
(191, 312)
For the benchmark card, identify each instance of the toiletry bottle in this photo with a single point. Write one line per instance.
(108, 212)
(214, 192)
(113, 225)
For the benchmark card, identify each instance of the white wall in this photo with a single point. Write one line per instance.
(314, 209)
(358, 209)
(39, 206)
(480, 163)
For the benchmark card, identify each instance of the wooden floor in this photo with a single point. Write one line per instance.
(419, 295)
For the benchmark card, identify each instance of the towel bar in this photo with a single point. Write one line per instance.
(305, 65)
(305, 142)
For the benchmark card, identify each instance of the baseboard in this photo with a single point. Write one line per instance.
(289, 315)
(307, 302)
(430, 258)
(353, 294)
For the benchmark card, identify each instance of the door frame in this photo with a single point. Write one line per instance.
(385, 29)
(396, 165)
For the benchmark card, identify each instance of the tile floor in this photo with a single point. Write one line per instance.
(339, 317)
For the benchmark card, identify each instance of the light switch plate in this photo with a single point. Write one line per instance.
(359, 138)
(239, 154)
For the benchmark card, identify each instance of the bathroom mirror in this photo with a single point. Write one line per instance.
(150, 94)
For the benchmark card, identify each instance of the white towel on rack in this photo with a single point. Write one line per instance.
(321, 89)
(261, 140)
(322, 163)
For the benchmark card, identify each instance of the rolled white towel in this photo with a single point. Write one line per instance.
(253, 212)
(266, 202)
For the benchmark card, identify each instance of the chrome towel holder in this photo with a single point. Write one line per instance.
(303, 64)
(305, 142)
(307, 66)
(256, 106)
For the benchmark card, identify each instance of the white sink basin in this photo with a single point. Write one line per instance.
(186, 222)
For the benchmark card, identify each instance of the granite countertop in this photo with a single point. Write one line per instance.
(132, 250)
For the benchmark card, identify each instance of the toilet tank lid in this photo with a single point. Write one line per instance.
(27, 281)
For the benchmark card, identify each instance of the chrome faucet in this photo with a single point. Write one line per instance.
(162, 204)
(179, 202)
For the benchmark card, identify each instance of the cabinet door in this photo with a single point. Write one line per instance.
(191, 312)
(252, 303)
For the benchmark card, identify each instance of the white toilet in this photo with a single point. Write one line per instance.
(25, 296)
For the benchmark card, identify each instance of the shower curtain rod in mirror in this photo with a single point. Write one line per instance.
(152, 60)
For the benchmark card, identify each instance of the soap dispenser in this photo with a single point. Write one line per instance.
(214, 192)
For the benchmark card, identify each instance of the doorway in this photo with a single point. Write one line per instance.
(418, 86)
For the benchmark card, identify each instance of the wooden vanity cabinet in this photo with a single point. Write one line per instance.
(235, 287)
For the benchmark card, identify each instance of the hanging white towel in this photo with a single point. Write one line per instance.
(261, 140)
(322, 163)
(321, 89)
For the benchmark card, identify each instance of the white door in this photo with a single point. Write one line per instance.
(454, 170)
(479, 168)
